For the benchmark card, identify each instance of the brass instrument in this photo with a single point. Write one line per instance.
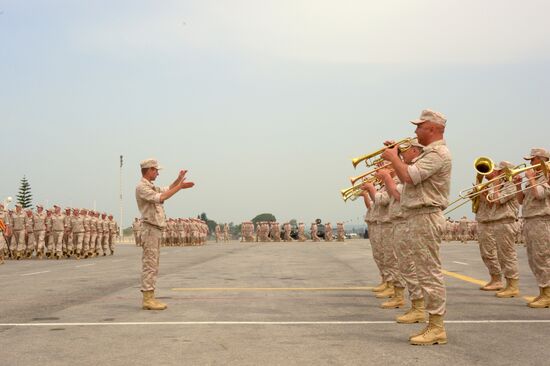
(483, 166)
(371, 160)
(353, 180)
(354, 191)
(509, 174)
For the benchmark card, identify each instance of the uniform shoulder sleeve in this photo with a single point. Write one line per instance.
(147, 193)
(428, 165)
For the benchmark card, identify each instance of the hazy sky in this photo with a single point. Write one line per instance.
(264, 102)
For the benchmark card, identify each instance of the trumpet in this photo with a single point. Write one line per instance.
(374, 158)
(355, 190)
(353, 180)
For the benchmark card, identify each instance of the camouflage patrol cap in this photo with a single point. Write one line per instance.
(504, 165)
(431, 116)
(538, 152)
(150, 163)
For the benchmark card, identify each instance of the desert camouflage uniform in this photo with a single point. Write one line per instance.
(504, 218)
(422, 203)
(402, 250)
(153, 216)
(390, 266)
(536, 212)
(487, 237)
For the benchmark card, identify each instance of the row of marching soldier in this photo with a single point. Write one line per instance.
(177, 232)
(77, 233)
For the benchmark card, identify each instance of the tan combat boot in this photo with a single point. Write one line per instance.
(433, 334)
(511, 290)
(398, 300)
(381, 287)
(543, 300)
(388, 292)
(494, 285)
(150, 303)
(416, 313)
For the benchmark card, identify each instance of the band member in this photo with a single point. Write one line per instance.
(377, 254)
(150, 200)
(402, 247)
(504, 215)
(536, 212)
(425, 194)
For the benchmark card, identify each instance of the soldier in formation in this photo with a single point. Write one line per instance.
(77, 233)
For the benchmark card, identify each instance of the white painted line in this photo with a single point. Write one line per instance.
(85, 265)
(464, 264)
(264, 323)
(34, 273)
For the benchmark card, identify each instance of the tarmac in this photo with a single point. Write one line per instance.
(255, 304)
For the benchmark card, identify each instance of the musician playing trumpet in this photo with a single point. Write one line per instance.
(401, 246)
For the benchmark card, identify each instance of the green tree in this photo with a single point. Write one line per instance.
(24, 197)
(210, 223)
(264, 217)
(293, 223)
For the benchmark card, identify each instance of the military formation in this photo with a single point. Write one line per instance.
(271, 231)
(177, 232)
(406, 195)
(53, 234)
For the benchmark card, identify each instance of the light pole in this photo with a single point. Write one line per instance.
(120, 189)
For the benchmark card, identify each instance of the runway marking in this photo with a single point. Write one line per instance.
(464, 264)
(382, 322)
(85, 265)
(243, 289)
(464, 278)
(34, 273)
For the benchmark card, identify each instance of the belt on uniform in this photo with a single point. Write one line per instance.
(541, 218)
(506, 220)
(152, 226)
(421, 210)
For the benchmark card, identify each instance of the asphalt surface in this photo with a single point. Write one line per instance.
(255, 304)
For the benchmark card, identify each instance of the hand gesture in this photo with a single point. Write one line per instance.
(183, 184)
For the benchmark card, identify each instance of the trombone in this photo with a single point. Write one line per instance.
(374, 158)
(509, 174)
(483, 166)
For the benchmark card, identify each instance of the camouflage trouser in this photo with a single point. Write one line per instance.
(86, 242)
(3, 244)
(537, 237)
(377, 249)
(78, 239)
(40, 237)
(404, 253)
(151, 239)
(505, 234)
(112, 241)
(391, 268)
(30, 242)
(488, 247)
(18, 241)
(424, 231)
(57, 241)
(93, 240)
